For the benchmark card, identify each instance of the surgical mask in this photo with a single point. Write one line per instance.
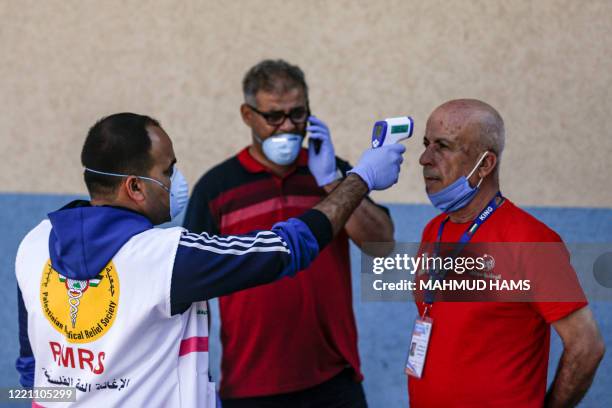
(283, 148)
(178, 191)
(458, 194)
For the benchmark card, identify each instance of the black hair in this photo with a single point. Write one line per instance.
(117, 143)
(272, 76)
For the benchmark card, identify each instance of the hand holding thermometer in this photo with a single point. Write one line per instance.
(391, 130)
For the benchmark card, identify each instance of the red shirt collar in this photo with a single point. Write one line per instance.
(253, 166)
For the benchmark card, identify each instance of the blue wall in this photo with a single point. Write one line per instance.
(384, 328)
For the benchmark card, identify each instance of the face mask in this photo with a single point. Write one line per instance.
(178, 191)
(282, 149)
(458, 194)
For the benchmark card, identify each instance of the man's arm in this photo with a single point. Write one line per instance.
(210, 266)
(368, 223)
(583, 349)
(340, 204)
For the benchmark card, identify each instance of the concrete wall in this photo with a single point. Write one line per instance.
(544, 64)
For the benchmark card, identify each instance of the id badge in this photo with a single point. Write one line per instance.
(417, 352)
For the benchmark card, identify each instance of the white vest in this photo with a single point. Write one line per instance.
(113, 337)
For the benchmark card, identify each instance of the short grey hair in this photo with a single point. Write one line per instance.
(272, 76)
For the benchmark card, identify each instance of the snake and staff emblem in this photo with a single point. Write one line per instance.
(75, 292)
(76, 288)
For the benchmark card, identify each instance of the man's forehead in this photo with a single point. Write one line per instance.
(451, 125)
(161, 145)
(293, 95)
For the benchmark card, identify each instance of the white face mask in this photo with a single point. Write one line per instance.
(178, 191)
(283, 148)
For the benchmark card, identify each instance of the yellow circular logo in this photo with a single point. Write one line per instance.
(81, 310)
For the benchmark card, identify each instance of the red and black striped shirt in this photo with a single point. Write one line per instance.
(294, 333)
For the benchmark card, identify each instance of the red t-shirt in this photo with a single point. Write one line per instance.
(488, 354)
(294, 333)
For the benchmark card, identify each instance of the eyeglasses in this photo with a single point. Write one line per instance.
(297, 116)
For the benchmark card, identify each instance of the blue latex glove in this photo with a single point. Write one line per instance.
(322, 165)
(379, 168)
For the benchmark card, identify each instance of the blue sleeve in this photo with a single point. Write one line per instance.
(25, 361)
(209, 266)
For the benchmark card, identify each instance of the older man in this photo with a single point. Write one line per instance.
(491, 354)
(293, 343)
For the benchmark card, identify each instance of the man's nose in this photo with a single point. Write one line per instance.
(426, 158)
(287, 126)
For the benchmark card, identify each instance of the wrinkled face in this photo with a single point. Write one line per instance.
(157, 199)
(273, 103)
(450, 150)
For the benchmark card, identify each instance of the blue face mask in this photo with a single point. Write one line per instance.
(458, 194)
(178, 191)
(281, 149)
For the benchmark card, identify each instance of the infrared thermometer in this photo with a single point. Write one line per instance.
(391, 130)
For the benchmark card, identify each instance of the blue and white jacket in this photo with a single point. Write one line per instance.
(83, 239)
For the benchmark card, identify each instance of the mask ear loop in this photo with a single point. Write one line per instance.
(476, 167)
(104, 173)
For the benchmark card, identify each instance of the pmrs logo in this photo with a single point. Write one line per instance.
(81, 310)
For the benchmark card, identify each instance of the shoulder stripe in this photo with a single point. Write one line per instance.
(230, 251)
(236, 244)
(264, 237)
(231, 238)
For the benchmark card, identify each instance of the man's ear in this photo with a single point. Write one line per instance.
(247, 114)
(134, 188)
(488, 165)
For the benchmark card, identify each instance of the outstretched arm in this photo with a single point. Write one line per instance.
(210, 266)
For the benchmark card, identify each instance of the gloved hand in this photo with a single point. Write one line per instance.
(322, 165)
(379, 168)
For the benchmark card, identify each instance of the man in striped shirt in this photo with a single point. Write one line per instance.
(294, 342)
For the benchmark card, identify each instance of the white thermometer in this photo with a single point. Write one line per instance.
(391, 130)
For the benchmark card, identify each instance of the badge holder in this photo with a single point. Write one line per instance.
(419, 343)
